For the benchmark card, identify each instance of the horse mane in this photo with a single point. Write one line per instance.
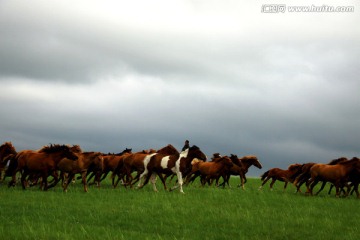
(76, 149)
(235, 160)
(7, 145)
(52, 148)
(294, 166)
(169, 149)
(338, 160)
(194, 147)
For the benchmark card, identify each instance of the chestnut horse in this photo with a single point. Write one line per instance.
(338, 174)
(281, 175)
(304, 175)
(218, 167)
(134, 162)
(87, 161)
(7, 150)
(163, 162)
(111, 162)
(42, 162)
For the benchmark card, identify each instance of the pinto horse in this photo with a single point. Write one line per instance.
(338, 174)
(218, 167)
(281, 175)
(42, 162)
(7, 150)
(87, 161)
(163, 162)
(183, 164)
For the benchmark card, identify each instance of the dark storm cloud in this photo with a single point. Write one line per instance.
(228, 78)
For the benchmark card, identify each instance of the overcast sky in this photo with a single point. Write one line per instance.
(142, 74)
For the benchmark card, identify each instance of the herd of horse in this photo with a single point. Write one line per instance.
(61, 163)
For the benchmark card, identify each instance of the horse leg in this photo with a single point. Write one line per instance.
(331, 187)
(179, 182)
(272, 183)
(263, 183)
(285, 185)
(153, 181)
(314, 182)
(67, 181)
(23, 179)
(322, 187)
(242, 180)
(143, 174)
(83, 176)
(56, 180)
(163, 179)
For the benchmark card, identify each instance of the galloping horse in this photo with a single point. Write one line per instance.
(304, 175)
(7, 150)
(111, 163)
(87, 161)
(135, 162)
(163, 162)
(43, 162)
(183, 164)
(281, 175)
(218, 167)
(338, 174)
(241, 166)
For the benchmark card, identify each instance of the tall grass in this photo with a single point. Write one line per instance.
(201, 213)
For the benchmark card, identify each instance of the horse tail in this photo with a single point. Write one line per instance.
(264, 175)
(12, 164)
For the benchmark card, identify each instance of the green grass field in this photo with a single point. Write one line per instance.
(201, 213)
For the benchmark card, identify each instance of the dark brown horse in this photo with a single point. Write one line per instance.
(280, 175)
(338, 174)
(42, 162)
(86, 161)
(163, 162)
(240, 168)
(7, 150)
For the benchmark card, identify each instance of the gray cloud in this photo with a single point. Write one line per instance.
(227, 77)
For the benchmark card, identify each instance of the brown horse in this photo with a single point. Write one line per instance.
(240, 168)
(163, 162)
(218, 167)
(87, 161)
(7, 150)
(304, 174)
(281, 175)
(111, 163)
(134, 162)
(338, 174)
(42, 162)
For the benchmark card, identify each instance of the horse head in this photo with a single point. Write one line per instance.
(195, 152)
(6, 149)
